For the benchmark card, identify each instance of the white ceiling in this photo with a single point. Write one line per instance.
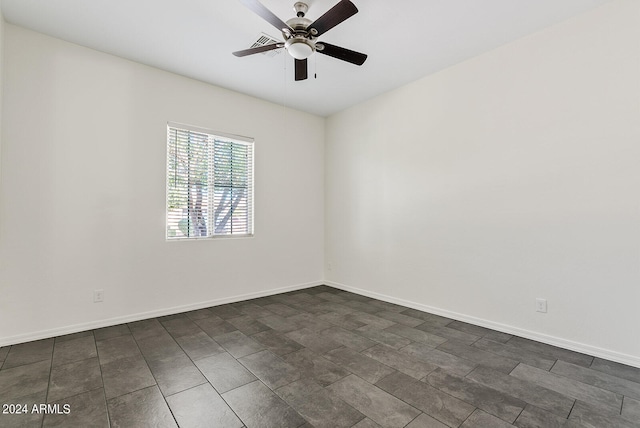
(405, 40)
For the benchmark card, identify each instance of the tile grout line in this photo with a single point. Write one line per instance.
(104, 392)
(521, 412)
(46, 397)
(411, 421)
(5, 357)
(575, 401)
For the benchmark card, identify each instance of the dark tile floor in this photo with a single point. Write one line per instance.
(318, 357)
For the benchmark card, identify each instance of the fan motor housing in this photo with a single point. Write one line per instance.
(299, 24)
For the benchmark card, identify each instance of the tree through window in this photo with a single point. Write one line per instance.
(209, 184)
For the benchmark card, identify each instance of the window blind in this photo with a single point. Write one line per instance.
(209, 184)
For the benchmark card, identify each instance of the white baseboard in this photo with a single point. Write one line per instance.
(594, 351)
(45, 334)
(551, 340)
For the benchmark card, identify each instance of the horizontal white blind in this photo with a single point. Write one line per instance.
(232, 191)
(209, 184)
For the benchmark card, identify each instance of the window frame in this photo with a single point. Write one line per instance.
(249, 141)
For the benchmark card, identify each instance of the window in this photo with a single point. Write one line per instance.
(209, 184)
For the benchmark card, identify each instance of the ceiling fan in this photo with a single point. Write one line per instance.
(300, 34)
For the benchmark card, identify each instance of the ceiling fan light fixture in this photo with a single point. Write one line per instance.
(299, 48)
(300, 34)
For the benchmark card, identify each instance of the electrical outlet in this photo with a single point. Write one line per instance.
(98, 296)
(541, 305)
(329, 266)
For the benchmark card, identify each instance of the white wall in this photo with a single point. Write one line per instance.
(83, 192)
(511, 176)
(1, 97)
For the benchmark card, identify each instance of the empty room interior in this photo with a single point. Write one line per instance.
(328, 214)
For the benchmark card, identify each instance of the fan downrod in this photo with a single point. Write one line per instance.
(301, 9)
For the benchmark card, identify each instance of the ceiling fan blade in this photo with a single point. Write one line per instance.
(266, 14)
(259, 49)
(301, 69)
(334, 16)
(353, 57)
